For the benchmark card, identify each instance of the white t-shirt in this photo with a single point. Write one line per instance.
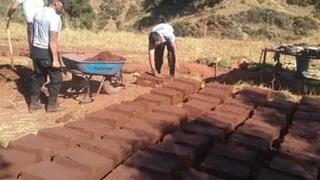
(30, 8)
(166, 32)
(45, 20)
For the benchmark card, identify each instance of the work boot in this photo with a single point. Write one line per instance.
(53, 105)
(34, 103)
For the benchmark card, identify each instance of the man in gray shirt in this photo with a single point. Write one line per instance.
(45, 56)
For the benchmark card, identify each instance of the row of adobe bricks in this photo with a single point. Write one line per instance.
(90, 148)
(235, 155)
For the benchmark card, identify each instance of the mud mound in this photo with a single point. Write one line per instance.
(106, 56)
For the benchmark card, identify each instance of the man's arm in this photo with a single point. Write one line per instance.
(174, 49)
(14, 6)
(151, 61)
(54, 49)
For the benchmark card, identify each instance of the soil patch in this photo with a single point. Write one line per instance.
(106, 56)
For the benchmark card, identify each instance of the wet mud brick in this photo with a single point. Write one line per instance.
(149, 81)
(170, 109)
(224, 121)
(270, 116)
(293, 168)
(69, 136)
(108, 148)
(249, 142)
(128, 108)
(95, 165)
(311, 101)
(196, 108)
(308, 130)
(183, 153)
(199, 142)
(224, 87)
(47, 170)
(307, 116)
(267, 174)
(166, 118)
(12, 161)
(90, 127)
(156, 129)
(258, 95)
(202, 97)
(226, 167)
(234, 110)
(300, 150)
(108, 117)
(205, 129)
(174, 95)
(155, 99)
(234, 152)
(260, 130)
(285, 107)
(185, 89)
(165, 165)
(137, 140)
(308, 108)
(43, 147)
(124, 172)
(240, 103)
(198, 175)
(196, 84)
(217, 93)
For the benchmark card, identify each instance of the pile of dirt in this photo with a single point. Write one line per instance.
(106, 56)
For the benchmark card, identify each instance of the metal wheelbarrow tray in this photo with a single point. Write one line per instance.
(110, 70)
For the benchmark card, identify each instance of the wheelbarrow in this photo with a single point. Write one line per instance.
(80, 67)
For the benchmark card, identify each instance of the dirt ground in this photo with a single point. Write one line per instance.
(15, 119)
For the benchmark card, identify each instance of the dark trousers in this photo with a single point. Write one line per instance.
(158, 54)
(42, 63)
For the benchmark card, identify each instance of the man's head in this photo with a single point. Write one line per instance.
(155, 39)
(57, 4)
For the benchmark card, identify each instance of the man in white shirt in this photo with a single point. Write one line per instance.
(29, 8)
(161, 36)
(45, 56)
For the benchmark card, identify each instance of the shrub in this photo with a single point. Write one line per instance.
(304, 25)
(81, 13)
(186, 29)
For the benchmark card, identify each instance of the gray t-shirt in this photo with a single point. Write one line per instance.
(45, 20)
(166, 33)
(30, 8)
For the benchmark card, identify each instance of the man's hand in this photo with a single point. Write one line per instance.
(56, 63)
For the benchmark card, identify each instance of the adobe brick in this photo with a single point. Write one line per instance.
(196, 84)
(155, 128)
(223, 120)
(267, 174)
(138, 140)
(95, 165)
(260, 130)
(90, 127)
(234, 152)
(147, 83)
(240, 103)
(196, 108)
(150, 105)
(255, 93)
(235, 110)
(307, 116)
(174, 95)
(216, 122)
(160, 163)
(308, 108)
(199, 175)
(43, 147)
(270, 113)
(282, 124)
(166, 118)
(197, 141)
(108, 148)
(300, 149)
(170, 109)
(230, 168)
(293, 168)
(123, 172)
(224, 95)
(185, 89)
(202, 97)
(155, 99)
(69, 136)
(223, 87)
(183, 153)
(282, 105)
(308, 130)
(47, 170)
(129, 108)
(105, 116)
(205, 129)
(250, 142)
(312, 101)
(12, 161)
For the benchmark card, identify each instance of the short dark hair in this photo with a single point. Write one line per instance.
(153, 37)
(162, 19)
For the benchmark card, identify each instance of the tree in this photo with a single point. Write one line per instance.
(81, 13)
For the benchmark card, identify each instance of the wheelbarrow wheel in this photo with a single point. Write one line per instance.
(113, 84)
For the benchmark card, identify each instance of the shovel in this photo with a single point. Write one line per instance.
(9, 42)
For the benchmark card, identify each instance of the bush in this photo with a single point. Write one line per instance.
(186, 29)
(81, 13)
(304, 25)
